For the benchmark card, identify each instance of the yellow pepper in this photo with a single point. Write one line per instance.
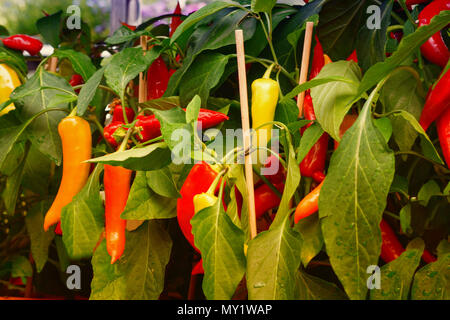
(203, 201)
(9, 80)
(265, 93)
(327, 59)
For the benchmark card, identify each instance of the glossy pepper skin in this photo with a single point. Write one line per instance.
(266, 199)
(318, 60)
(117, 188)
(265, 93)
(437, 102)
(109, 130)
(157, 79)
(316, 157)
(434, 49)
(353, 57)
(118, 114)
(76, 80)
(176, 21)
(76, 138)
(9, 80)
(309, 205)
(199, 180)
(22, 42)
(443, 128)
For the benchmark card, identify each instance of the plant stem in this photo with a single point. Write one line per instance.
(413, 153)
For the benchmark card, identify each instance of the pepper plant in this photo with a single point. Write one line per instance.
(361, 185)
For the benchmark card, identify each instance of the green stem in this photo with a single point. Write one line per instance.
(392, 215)
(73, 113)
(267, 182)
(408, 14)
(216, 181)
(412, 153)
(269, 40)
(124, 144)
(146, 143)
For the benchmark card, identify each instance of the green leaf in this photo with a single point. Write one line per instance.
(313, 288)
(140, 273)
(272, 262)
(371, 43)
(312, 238)
(407, 46)
(263, 5)
(286, 111)
(50, 27)
(81, 63)
(87, 93)
(353, 199)
(162, 183)
(308, 140)
(144, 204)
(82, 220)
(11, 192)
(152, 157)
(333, 100)
(126, 65)
(21, 267)
(193, 109)
(400, 92)
(14, 59)
(222, 247)
(124, 34)
(40, 240)
(203, 76)
(397, 276)
(199, 15)
(385, 127)
(428, 190)
(162, 103)
(400, 184)
(339, 23)
(405, 220)
(431, 282)
(427, 146)
(43, 131)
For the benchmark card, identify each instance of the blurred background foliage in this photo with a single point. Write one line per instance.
(20, 16)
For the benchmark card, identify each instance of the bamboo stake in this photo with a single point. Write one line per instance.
(134, 224)
(246, 130)
(305, 64)
(52, 64)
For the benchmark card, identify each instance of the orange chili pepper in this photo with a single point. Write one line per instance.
(309, 204)
(117, 188)
(75, 134)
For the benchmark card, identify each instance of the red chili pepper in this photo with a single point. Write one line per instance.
(198, 181)
(438, 100)
(353, 57)
(23, 42)
(117, 188)
(108, 133)
(391, 248)
(76, 80)
(443, 128)
(434, 49)
(266, 199)
(318, 60)
(316, 157)
(132, 28)
(349, 120)
(280, 175)
(157, 79)
(58, 230)
(176, 21)
(118, 114)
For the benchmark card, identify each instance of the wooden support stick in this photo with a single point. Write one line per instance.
(52, 64)
(305, 64)
(246, 130)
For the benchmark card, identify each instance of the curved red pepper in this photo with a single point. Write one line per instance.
(23, 42)
(118, 114)
(176, 21)
(198, 181)
(353, 57)
(266, 199)
(434, 49)
(318, 60)
(438, 100)
(316, 157)
(157, 79)
(443, 128)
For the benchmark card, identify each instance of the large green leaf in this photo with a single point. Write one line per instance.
(431, 282)
(333, 100)
(407, 46)
(36, 177)
(40, 240)
(222, 247)
(353, 199)
(313, 288)
(263, 5)
(140, 273)
(43, 131)
(82, 220)
(339, 21)
(203, 76)
(144, 204)
(401, 93)
(14, 60)
(162, 182)
(371, 43)
(50, 27)
(273, 258)
(81, 63)
(312, 238)
(152, 157)
(397, 276)
(87, 93)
